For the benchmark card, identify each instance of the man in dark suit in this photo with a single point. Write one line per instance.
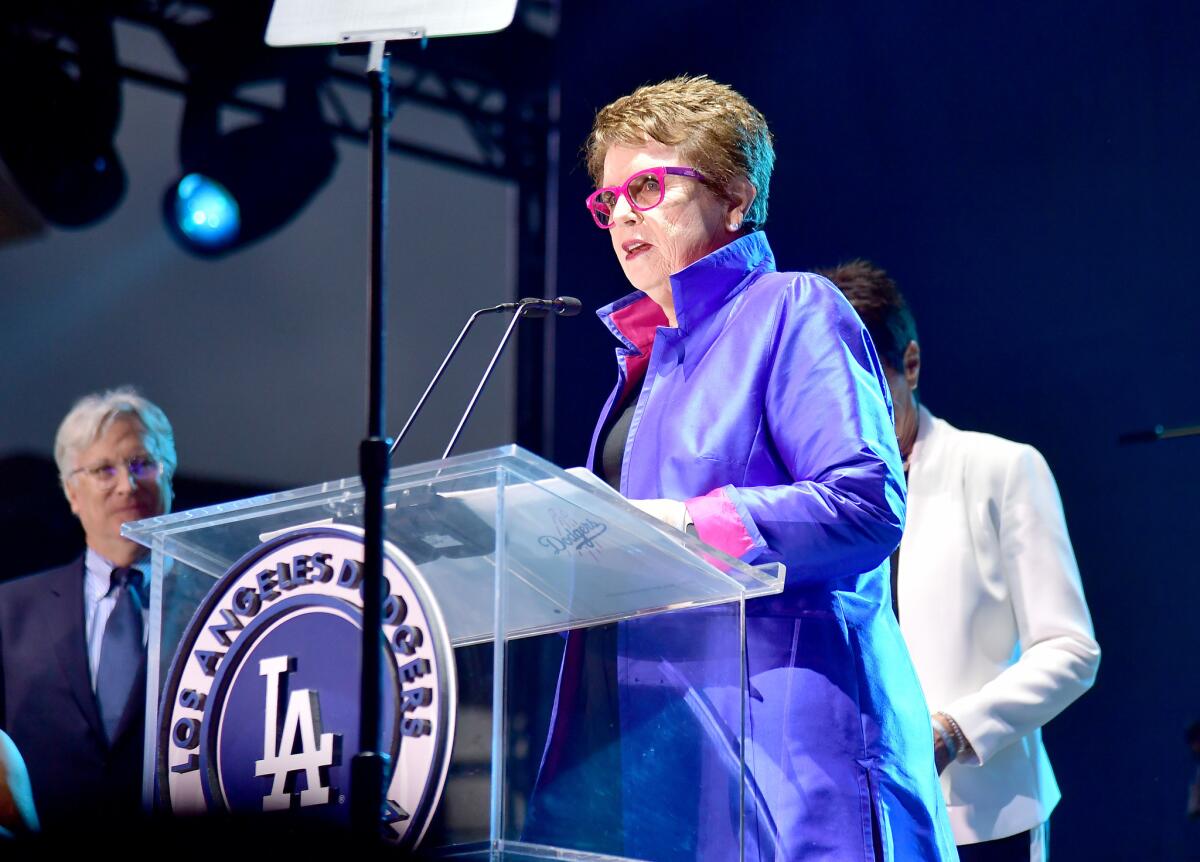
(73, 639)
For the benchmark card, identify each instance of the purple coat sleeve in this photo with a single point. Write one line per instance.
(824, 490)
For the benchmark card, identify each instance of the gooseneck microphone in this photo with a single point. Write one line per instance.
(563, 306)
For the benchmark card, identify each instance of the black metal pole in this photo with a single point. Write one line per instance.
(369, 766)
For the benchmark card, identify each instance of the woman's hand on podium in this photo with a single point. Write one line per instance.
(673, 513)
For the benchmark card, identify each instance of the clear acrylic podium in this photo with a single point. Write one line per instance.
(599, 656)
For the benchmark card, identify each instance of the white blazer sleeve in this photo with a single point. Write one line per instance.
(1058, 654)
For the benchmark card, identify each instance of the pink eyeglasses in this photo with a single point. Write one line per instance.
(644, 191)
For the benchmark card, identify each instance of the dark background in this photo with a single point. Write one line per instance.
(1028, 174)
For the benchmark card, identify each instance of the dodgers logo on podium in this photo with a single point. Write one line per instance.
(260, 710)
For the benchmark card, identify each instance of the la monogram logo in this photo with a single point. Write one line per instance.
(281, 757)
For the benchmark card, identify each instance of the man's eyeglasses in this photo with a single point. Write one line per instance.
(644, 191)
(141, 468)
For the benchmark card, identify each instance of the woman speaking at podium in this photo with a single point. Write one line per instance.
(750, 407)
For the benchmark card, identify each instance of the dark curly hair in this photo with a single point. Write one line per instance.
(881, 306)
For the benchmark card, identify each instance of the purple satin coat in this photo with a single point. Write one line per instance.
(765, 410)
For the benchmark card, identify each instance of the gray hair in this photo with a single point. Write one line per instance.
(93, 414)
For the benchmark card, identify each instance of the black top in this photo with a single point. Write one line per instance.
(612, 452)
(896, 569)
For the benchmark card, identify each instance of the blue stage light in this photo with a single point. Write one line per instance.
(206, 214)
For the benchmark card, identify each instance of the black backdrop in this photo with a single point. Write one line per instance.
(1028, 173)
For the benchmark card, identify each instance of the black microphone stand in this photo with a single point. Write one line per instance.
(521, 312)
(369, 765)
(437, 375)
(563, 306)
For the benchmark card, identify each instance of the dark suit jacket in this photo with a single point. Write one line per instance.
(48, 708)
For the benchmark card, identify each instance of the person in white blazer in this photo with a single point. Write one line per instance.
(988, 595)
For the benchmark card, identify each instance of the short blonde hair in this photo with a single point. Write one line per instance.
(717, 131)
(93, 414)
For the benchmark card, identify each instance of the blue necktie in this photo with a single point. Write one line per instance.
(120, 649)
